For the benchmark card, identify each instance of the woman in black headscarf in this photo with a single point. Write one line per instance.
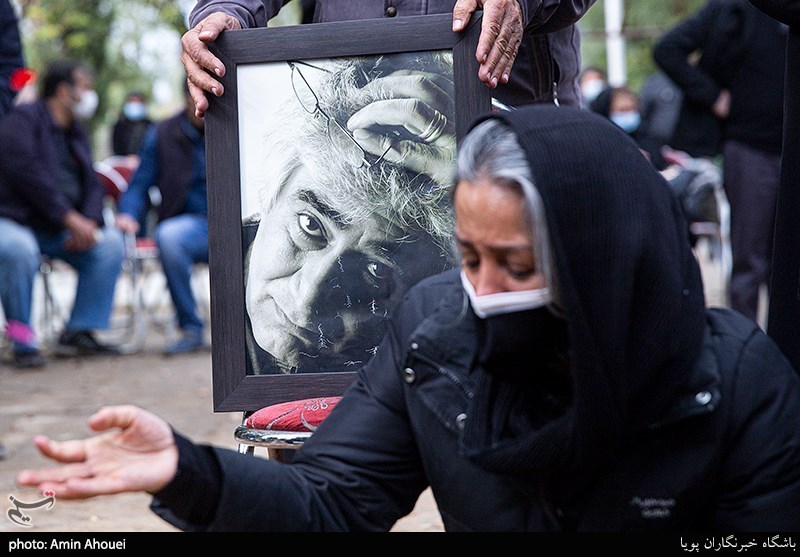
(569, 377)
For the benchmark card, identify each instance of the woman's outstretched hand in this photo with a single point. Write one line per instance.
(136, 451)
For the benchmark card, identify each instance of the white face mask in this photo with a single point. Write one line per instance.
(591, 89)
(505, 302)
(87, 105)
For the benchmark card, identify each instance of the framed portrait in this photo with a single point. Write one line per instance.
(330, 158)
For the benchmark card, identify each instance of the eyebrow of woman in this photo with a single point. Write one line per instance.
(508, 248)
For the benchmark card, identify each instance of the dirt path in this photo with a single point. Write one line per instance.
(58, 399)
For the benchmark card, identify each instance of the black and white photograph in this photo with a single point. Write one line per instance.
(332, 162)
(346, 167)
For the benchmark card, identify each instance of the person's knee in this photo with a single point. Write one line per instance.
(169, 240)
(19, 250)
(113, 243)
(110, 249)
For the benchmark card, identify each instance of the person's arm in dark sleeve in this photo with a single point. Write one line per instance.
(547, 16)
(190, 500)
(134, 200)
(250, 13)
(360, 471)
(760, 483)
(671, 53)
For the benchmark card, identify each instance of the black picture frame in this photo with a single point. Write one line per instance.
(233, 388)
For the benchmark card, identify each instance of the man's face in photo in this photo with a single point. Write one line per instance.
(319, 286)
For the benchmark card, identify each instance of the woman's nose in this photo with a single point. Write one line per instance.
(488, 280)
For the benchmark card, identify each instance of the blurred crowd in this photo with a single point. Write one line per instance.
(59, 203)
(723, 106)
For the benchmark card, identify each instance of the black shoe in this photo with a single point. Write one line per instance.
(81, 343)
(28, 360)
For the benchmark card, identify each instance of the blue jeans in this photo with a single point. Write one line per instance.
(183, 241)
(97, 268)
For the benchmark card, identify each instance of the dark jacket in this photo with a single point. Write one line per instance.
(127, 135)
(665, 416)
(741, 50)
(30, 166)
(10, 54)
(550, 49)
(703, 464)
(784, 304)
(167, 162)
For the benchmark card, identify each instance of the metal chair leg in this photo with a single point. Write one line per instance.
(53, 317)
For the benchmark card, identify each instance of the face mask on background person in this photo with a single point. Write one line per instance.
(590, 89)
(629, 121)
(134, 111)
(86, 106)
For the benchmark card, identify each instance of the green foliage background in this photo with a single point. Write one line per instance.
(134, 44)
(129, 45)
(643, 24)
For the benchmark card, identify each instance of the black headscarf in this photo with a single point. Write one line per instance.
(629, 284)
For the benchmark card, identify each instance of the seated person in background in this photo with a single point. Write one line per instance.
(130, 128)
(51, 203)
(621, 106)
(592, 82)
(173, 158)
(127, 137)
(568, 378)
(660, 103)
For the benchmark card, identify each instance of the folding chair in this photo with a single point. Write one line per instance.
(145, 300)
(698, 183)
(129, 320)
(54, 311)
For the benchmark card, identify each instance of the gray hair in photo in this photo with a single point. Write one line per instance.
(409, 202)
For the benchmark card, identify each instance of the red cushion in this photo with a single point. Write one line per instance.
(296, 415)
